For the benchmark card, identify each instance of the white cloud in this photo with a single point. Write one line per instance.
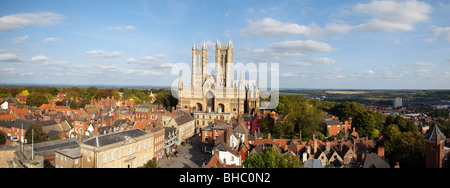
(322, 60)
(289, 75)
(10, 58)
(104, 54)
(40, 58)
(441, 32)
(120, 28)
(273, 28)
(51, 40)
(158, 60)
(391, 16)
(45, 60)
(17, 21)
(301, 46)
(301, 63)
(20, 40)
(422, 64)
(15, 72)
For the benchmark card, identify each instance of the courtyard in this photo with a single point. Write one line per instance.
(189, 156)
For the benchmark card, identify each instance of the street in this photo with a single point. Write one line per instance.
(189, 156)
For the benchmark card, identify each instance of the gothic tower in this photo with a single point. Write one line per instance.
(224, 64)
(199, 65)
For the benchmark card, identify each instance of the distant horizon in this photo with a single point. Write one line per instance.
(168, 87)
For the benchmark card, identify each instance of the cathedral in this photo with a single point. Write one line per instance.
(218, 93)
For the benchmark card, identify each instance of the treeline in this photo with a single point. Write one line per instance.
(36, 96)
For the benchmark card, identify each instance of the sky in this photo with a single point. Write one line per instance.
(317, 44)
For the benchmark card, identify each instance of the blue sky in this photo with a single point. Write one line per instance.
(366, 44)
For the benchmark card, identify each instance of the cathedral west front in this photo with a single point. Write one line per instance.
(218, 93)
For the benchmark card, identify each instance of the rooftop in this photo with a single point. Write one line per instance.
(108, 139)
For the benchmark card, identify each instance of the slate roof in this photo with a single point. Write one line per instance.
(313, 163)
(70, 152)
(433, 134)
(372, 160)
(333, 122)
(108, 139)
(48, 148)
(183, 117)
(17, 124)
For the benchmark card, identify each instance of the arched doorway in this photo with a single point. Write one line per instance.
(222, 107)
(210, 100)
(199, 107)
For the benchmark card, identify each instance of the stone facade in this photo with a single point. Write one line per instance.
(218, 93)
(127, 149)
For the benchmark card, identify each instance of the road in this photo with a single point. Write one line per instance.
(189, 156)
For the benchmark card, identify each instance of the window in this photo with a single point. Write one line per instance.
(129, 150)
(104, 158)
(138, 147)
(118, 153)
(111, 156)
(76, 161)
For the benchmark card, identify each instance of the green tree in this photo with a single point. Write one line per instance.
(271, 158)
(366, 124)
(346, 110)
(39, 135)
(409, 150)
(90, 92)
(36, 99)
(407, 147)
(150, 164)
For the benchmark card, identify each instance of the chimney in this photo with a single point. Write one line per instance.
(308, 149)
(268, 136)
(228, 135)
(381, 152)
(327, 146)
(315, 144)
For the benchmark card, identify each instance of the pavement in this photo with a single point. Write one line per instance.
(189, 156)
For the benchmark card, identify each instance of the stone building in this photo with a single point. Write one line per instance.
(219, 92)
(126, 149)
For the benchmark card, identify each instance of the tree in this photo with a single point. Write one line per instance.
(25, 92)
(346, 110)
(150, 164)
(271, 158)
(407, 147)
(39, 135)
(36, 99)
(366, 124)
(90, 92)
(409, 150)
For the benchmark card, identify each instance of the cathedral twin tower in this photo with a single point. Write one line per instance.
(216, 93)
(224, 65)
